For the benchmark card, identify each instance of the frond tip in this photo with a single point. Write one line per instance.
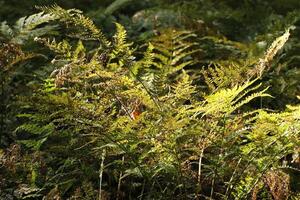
(271, 52)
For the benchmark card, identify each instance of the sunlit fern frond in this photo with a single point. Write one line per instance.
(226, 101)
(183, 89)
(86, 29)
(120, 38)
(224, 74)
(62, 48)
(264, 62)
(121, 48)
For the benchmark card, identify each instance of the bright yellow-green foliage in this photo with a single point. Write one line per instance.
(139, 122)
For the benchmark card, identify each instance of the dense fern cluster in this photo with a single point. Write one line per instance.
(178, 116)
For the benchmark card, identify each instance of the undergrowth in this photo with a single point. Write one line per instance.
(118, 120)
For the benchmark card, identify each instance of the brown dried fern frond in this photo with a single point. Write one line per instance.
(278, 184)
(264, 62)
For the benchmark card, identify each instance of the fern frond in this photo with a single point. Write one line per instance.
(184, 89)
(86, 28)
(227, 101)
(6, 30)
(249, 98)
(223, 74)
(28, 28)
(120, 44)
(12, 54)
(34, 129)
(179, 57)
(174, 50)
(62, 48)
(144, 63)
(79, 51)
(29, 23)
(263, 63)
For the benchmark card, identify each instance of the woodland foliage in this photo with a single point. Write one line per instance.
(159, 104)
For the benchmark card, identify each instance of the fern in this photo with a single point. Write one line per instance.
(270, 53)
(142, 120)
(173, 58)
(28, 28)
(227, 101)
(168, 54)
(62, 48)
(73, 17)
(223, 74)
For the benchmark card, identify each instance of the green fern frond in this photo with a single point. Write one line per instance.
(6, 30)
(62, 48)
(86, 27)
(249, 98)
(223, 74)
(28, 28)
(29, 23)
(184, 89)
(34, 144)
(173, 49)
(227, 101)
(148, 56)
(146, 62)
(166, 56)
(120, 36)
(34, 129)
(120, 44)
(79, 51)
(180, 57)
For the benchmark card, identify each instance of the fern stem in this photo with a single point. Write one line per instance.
(101, 173)
(199, 172)
(146, 89)
(231, 179)
(142, 192)
(120, 181)
(212, 187)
